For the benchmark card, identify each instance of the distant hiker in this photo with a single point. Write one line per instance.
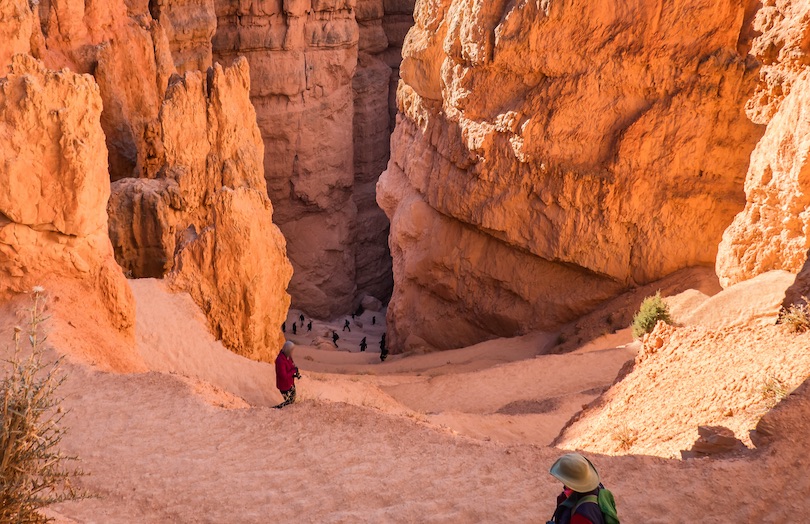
(309, 326)
(286, 373)
(363, 344)
(335, 338)
(295, 329)
(346, 326)
(283, 327)
(301, 318)
(352, 316)
(383, 349)
(373, 320)
(584, 499)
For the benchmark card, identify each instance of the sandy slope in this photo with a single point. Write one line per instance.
(390, 442)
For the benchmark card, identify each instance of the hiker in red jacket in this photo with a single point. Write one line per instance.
(577, 503)
(286, 373)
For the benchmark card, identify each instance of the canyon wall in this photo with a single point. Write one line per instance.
(321, 80)
(773, 231)
(303, 56)
(548, 155)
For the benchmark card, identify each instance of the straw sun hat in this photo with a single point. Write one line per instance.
(576, 472)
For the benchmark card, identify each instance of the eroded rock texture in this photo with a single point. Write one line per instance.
(601, 144)
(190, 199)
(773, 232)
(130, 54)
(54, 188)
(205, 220)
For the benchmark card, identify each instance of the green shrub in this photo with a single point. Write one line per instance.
(796, 317)
(32, 471)
(651, 311)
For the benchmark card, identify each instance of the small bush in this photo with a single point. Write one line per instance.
(796, 317)
(625, 437)
(651, 311)
(32, 470)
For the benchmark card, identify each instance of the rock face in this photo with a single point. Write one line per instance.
(130, 55)
(54, 187)
(322, 77)
(773, 232)
(206, 220)
(577, 140)
(303, 55)
(371, 84)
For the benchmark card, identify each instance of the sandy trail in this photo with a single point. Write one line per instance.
(373, 442)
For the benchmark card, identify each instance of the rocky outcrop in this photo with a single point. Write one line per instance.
(206, 220)
(397, 21)
(773, 231)
(582, 139)
(53, 190)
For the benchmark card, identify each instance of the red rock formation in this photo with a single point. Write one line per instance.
(53, 189)
(190, 164)
(586, 137)
(206, 219)
(773, 232)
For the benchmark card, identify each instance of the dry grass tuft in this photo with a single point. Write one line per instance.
(625, 437)
(796, 317)
(773, 391)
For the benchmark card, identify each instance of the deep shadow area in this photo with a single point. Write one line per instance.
(801, 287)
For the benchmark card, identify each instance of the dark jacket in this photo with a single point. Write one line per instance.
(285, 372)
(586, 513)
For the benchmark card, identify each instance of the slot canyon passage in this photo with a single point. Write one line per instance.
(493, 186)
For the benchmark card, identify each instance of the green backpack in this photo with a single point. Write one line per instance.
(606, 503)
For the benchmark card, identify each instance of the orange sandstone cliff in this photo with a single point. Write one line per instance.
(189, 200)
(548, 155)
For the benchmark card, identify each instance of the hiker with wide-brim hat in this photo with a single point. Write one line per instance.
(577, 504)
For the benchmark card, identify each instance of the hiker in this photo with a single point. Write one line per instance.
(286, 373)
(584, 500)
(295, 329)
(373, 319)
(309, 326)
(301, 318)
(335, 338)
(346, 326)
(363, 344)
(383, 349)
